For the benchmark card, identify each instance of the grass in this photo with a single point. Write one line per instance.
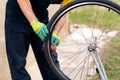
(88, 16)
(116, 1)
(111, 21)
(114, 50)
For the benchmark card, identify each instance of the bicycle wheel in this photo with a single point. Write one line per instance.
(89, 44)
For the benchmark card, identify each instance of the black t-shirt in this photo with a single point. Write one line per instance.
(15, 19)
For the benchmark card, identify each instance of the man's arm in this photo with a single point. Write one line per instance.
(27, 9)
(59, 25)
(61, 22)
(57, 29)
(39, 28)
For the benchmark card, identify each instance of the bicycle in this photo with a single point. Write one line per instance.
(92, 50)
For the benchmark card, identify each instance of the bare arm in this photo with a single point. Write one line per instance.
(60, 23)
(27, 9)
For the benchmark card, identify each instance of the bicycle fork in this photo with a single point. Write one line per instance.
(99, 65)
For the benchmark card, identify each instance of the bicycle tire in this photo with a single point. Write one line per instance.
(78, 3)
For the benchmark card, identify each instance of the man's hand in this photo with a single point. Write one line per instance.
(52, 47)
(40, 29)
(54, 38)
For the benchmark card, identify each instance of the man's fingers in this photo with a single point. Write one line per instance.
(41, 36)
(53, 47)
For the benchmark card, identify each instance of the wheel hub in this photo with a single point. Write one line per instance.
(92, 47)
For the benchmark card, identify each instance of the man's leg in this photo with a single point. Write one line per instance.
(17, 47)
(46, 72)
(55, 59)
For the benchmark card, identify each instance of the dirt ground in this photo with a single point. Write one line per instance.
(31, 63)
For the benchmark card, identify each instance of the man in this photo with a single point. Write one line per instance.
(25, 24)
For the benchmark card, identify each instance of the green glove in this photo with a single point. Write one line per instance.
(39, 28)
(54, 38)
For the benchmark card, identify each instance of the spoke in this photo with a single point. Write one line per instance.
(89, 25)
(114, 22)
(84, 36)
(74, 55)
(101, 18)
(84, 66)
(109, 18)
(102, 36)
(108, 59)
(83, 61)
(71, 42)
(71, 61)
(92, 29)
